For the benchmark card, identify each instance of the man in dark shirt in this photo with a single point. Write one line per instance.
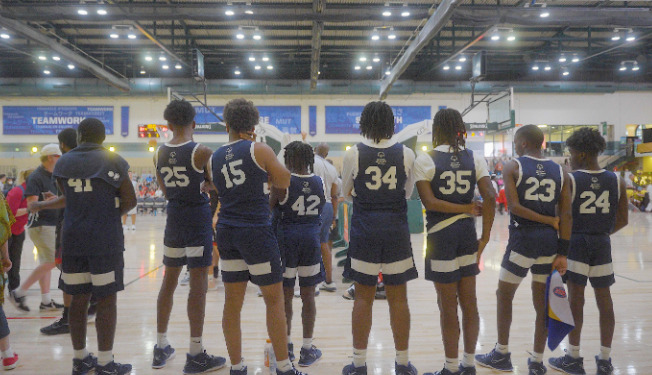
(42, 228)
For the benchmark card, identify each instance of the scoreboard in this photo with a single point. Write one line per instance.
(153, 131)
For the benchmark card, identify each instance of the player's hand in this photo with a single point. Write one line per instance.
(476, 208)
(482, 243)
(48, 196)
(560, 264)
(6, 264)
(207, 186)
(334, 224)
(555, 223)
(33, 207)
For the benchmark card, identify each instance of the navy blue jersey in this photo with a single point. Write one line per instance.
(91, 177)
(538, 187)
(454, 181)
(241, 185)
(380, 183)
(182, 180)
(304, 200)
(595, 201)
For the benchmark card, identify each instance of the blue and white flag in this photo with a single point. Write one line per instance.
(560, 318)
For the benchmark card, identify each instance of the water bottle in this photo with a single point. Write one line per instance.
(270, 358)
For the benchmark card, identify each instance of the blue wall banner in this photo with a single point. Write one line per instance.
(124, 121)
(312, 120)
(346, 120)
(285, 118)
(28, 120)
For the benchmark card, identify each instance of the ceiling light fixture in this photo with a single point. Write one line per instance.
(102, 12)
(142, 71)
(114, 35)
(82, 12)
(376, 59)
(178, 66)
(229, 12)
(251, 58)
(257, 67)
(547, 68)
(375, 35)
(535, 67)
(462, 58)
(148, 58)
(42, 58)
(240, 34)
(5, 36)
(405, 12)
(391, 35)
(495, 36)
(446, 67)
(165, 67)
(46, 72)
(630, 36)
(369, 67)
(71, 66)
(237, 72)
(363, 59)
(565, 73)
(56, 58)
(269, 67)
(357, 67)
(388, 72)
(562, 59)
(387, 12)
(458, 67)
(511, 36)
(257, 35)
(162, 58)
(248, 10)
(635, 68)
(131, 36)
(265, 58)
(575, 59)
(544, 12)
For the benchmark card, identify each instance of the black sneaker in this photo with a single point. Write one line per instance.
(162, 355)
(495, 360)
(604, 366)
(568, 365)
(113, 368)
(203, 362)
(293, 371)
(535, 368)
(84, 366)
(52, 306)
(349, 293)
(18, 302)
(59, 327)
(308, 357)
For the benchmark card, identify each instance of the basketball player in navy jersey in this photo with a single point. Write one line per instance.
(536, 189)
(446, 178)
(242, 174)
(300, 207)
(98, 192)
(599, 209)
(180, 170)
(378, 174)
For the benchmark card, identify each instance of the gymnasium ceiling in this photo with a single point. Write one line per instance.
(332, 36)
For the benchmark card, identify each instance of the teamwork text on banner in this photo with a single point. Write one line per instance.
(346, 119)
(285, 118)
(50, 120)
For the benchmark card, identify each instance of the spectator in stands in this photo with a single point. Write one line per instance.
(3, 178)
(18, 205)
(134, 211)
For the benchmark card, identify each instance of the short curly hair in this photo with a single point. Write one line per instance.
(241, 115)
(179, 113)
(587, 140)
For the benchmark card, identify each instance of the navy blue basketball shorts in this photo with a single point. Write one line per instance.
(249, 254)
(301, 255)
(100, 275)
(188, 242)
(380, 242)
(4, 326)
(590, 258)
(452, 253)
(326, 222)
(529, 249)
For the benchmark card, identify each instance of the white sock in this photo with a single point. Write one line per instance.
(196, 346)
(359, 357)
(19, 293)
(284, 366)
(289, 339)
(502, 349)
(46, 298)
(239, 366)
(468, 360)
(402, 357)
(9, 353)
(605, 353)
(307, 343)
(536, 357)
(452, 365)
(80, 354)
(104, 358)
(162, 340)
(573, 351)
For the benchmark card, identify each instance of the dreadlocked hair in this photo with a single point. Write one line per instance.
(587, 140)
(377, 121)
(299, 156)
(448, 129)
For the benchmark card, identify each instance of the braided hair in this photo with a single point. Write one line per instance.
(377, 121)
(448, 129)
(299, 156)
(587, 140)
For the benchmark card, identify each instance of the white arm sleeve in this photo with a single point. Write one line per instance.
(408, 159)
(424, 168)
(349, 170)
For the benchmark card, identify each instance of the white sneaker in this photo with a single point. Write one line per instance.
(260, 293)
(133, 227)
(186, 279)
(328, 287)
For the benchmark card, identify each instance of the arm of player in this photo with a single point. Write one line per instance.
(510, 170)
(488, 194)
(51, 204)
(623, 208)
(335, 195)
(565, 226)
(127, 196)
(202, 161)
(278, 174)
(349, 171)
(276, 195)
(432, 203)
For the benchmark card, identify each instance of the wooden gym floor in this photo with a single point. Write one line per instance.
(136, 333)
